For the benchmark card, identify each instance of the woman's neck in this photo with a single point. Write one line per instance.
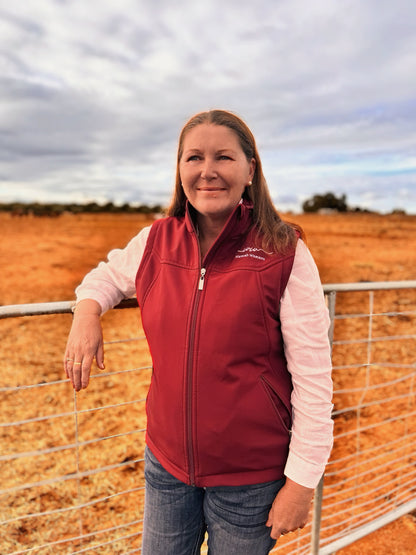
(208, 231)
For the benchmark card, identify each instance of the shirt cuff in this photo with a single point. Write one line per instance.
(84, 295)
(303, 472)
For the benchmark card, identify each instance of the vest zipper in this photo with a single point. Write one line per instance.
(190, 370)
(201, 279)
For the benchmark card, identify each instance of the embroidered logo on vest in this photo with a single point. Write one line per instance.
(252, 252)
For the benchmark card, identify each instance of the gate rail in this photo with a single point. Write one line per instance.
(325, 535)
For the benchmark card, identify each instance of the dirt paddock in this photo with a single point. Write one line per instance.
(42, 260)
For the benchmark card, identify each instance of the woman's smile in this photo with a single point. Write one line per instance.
(210, 189)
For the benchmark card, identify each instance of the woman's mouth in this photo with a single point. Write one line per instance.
(210, 189)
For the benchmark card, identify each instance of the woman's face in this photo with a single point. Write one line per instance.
(214, 170)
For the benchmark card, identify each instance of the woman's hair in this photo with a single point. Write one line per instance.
(274, 232)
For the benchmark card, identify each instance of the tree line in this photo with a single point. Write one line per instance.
(327, 202)
(56, 209)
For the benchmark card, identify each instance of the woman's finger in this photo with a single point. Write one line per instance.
(86, 370)
(68, 365)
(68, 360)
(76, 373)
(100, 356)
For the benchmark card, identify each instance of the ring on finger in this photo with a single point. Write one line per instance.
(70, 360)
(77, 363)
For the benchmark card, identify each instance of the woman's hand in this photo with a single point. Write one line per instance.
(85, 342)
(290, 509)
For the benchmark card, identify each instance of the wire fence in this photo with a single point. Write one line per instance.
(71, 464)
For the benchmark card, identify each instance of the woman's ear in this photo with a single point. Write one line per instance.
(252, 170)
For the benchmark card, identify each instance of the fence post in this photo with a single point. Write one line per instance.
(332, 297)
(318, 499)
(316, 519)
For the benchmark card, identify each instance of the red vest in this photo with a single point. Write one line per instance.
(218, 406)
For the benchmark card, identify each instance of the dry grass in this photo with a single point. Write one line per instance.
(44, 259)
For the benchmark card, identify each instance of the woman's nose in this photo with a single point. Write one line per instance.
(208, 170)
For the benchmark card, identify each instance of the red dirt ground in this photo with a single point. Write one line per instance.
(44, 259)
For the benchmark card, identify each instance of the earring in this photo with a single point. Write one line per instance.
(250, 183)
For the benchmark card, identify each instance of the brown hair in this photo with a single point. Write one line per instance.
(274, 232)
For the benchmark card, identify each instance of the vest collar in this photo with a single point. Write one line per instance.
(238, 222)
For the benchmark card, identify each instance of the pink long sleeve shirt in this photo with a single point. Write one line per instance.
(304, 323)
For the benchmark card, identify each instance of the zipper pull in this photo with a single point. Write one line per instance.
(201, 279)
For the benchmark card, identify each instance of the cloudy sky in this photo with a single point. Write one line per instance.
(93, 95)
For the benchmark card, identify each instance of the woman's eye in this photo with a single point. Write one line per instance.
(224, 157)
(193, 157)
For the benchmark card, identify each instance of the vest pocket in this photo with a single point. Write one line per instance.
(279, 407)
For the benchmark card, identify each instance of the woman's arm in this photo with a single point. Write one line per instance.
(101, 289)
(114, 280)
(305, 322)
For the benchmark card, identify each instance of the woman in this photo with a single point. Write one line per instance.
(239, 427)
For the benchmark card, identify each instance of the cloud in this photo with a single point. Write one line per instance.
(94, 95)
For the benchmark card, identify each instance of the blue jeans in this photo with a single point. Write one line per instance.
(176, 516)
